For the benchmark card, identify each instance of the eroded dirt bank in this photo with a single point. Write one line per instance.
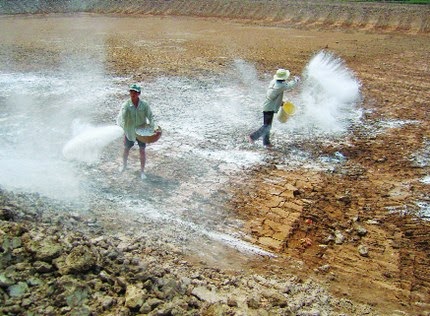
(303, 14)
(352, 229)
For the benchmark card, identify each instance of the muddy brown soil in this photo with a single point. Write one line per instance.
(340, 224)
(355, 229)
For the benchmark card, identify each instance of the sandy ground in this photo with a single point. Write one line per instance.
(371, 200)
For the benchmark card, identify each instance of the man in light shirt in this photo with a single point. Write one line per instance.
(134, 113)
(274, 100)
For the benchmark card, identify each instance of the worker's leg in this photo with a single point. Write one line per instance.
(268, 119)
(127, 146)
(258, 133)
(142, 155)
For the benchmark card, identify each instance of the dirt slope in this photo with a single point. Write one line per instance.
(303, 14)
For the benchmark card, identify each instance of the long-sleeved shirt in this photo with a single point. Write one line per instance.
(275, 94)
(130, 117)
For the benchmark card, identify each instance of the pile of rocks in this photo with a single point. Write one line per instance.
(54, 262)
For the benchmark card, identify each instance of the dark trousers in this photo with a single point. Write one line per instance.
(265, 129)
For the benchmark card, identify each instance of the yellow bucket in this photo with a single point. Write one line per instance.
(287, 109)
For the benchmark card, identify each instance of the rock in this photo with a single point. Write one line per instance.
(5, 281)
(339, 238)
(107, 302)
(45, 249)
(263, 312)
(17, 290)
(345, 199)
(10, 243)
(80, 259)
(42, 267)
(312, 312)
(253, 302)
(361, 231)
(33, 281)
(232, 301)
(134, 297)
(363, 251)
(105, 277)
(21, 266)
(150, 305)
(373, 222)
(26, 302)
(275, 297)
(217, 309)
(203, 294)
(170, 288)
(328, 239)
(324, 268)
(13, 310)
(76, 297)
(6, 213)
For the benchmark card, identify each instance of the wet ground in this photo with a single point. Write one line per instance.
(348, 208)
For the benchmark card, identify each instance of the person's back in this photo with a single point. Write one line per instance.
(272, 103)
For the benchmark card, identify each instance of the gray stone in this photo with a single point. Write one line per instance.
(107, 302)
(42, 267)
(339, 238)
(232, 301)
(45, 249)
(17, 290)
(361, 231)
(150, 305)
(5, 281)
(80, 259)
(363, 251)
(134, 297)
(253, 302)
(204, 294)
(217, 309)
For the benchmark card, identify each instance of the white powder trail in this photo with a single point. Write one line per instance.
(88, 145)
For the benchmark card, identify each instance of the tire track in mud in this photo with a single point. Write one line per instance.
(331, 226)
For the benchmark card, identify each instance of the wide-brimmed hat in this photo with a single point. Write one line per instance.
(135, 87)
(281, 74)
